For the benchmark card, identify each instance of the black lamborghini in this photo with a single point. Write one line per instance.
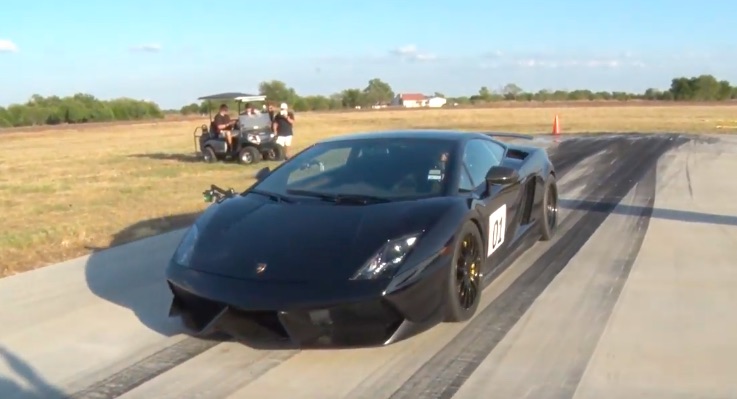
(363, 239)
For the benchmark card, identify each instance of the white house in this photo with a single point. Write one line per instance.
(416, 100)
(436, 102)
(410, 100)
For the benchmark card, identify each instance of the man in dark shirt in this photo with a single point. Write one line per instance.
(272, 112)
(282, 126)
(223, 125)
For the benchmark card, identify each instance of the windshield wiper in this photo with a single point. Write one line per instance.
(340, 198)
(307, 193)
(360, 199)
(273, 196)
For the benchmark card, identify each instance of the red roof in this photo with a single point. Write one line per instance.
(412, 96)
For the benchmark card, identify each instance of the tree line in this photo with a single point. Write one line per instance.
(79, 108)
(82, 108)
(697, 88)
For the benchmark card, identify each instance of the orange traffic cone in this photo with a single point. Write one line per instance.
(556, 126)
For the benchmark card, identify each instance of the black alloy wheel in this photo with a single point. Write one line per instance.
(468, 267)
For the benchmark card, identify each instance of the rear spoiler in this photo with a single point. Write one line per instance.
(511, 135)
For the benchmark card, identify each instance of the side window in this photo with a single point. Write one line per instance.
(465, 183)
(496, 151)
(479, 156)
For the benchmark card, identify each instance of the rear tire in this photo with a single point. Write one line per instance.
(549, 213)
(249, 155)
(463, 291)
(208, 155)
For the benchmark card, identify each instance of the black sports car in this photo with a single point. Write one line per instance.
(363, 239)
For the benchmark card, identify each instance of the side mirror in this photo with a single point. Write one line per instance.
(261, 174)
(502, 175)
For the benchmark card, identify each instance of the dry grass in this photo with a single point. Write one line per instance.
(63, 192)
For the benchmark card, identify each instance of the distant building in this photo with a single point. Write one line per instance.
(410, 100)
(416, 100)
(436, 102)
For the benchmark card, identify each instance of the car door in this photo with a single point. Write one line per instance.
(479, 156)
(510, 195)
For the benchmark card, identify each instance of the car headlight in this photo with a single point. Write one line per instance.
(387, 259)
(254, 138)
(183, 254)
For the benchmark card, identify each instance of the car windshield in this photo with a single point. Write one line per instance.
(370, 169)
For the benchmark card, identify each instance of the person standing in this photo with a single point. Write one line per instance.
(283, 127)
(271, 111)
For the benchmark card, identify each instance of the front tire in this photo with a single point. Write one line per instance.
(274, 153)
(249, 155)
(549, 213)
(464, 281)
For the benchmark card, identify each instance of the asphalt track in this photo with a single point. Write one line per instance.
(635, 297)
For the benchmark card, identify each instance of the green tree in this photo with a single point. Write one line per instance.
(352, 98)
(377, 91)
(484, 95)
(276, 90)
(511, 91)
(79, 108)
(190, 109)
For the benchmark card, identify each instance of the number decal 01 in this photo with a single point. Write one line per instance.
(497, 227)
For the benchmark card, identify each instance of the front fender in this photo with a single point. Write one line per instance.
(435, 242)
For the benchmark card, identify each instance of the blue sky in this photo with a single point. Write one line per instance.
(172, 52)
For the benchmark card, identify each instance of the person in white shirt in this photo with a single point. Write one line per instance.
(283, 128)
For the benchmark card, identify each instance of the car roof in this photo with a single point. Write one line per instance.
(237, 96)
(451, 135)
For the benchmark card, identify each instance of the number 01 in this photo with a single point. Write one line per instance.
(496, 233)
(497, 227)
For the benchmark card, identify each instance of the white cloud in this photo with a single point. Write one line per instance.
(500, 60)
(386, 58)
(412, 53)
(147, 48)
(549, 60)
(7, 46)
(586, 63)
(495, 55)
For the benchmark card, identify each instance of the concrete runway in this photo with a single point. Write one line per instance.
(634, 298)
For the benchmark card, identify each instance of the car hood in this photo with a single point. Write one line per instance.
(305, 241)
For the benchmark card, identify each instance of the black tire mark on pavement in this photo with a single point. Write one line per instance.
(444, 373)
(688, 174)
(645, 190)
(569, 153)
(168, 358)
(145, 369)
(558, 373)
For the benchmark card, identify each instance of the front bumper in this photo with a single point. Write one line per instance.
(345, 315)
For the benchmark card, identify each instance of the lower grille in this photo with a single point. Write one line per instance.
(365, 323)
(357, 324)
(197, 312)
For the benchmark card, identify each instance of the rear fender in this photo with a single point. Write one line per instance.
(217, 145)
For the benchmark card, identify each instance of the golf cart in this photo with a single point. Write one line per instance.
(253, 139)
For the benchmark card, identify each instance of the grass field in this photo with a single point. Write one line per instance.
(64, 191)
